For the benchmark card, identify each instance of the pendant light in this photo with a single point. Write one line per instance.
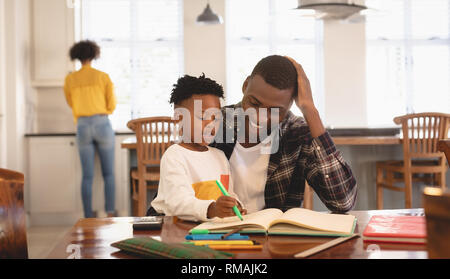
(330, 9)
(208, 17)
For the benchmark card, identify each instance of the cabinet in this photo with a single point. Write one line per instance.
(53, 181)
(52, 36)
(54, 168)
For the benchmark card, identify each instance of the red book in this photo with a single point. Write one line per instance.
(396, 229)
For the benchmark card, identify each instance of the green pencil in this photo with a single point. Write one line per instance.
(225, 193)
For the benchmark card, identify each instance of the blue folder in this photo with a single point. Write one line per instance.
(216, 236)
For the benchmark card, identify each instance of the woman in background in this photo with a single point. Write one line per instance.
(89, 92)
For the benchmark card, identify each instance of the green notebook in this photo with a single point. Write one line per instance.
(148, 247)
(295, 221)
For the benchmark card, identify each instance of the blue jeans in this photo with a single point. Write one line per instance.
(95, 133)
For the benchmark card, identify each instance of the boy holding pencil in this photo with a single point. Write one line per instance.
(191, 171)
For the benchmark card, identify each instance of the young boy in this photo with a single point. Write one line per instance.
(189, 169)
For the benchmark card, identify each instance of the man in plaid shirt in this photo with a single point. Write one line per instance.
(304, 148)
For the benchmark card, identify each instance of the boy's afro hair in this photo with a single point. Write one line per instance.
(187, 86)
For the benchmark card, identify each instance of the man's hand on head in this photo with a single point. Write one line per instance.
(303, 99)
(305, 102)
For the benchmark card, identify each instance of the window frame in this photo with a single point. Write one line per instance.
(134, 45)
(408, 42)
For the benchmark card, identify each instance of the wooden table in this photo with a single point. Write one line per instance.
(130, 143)
(94, 236)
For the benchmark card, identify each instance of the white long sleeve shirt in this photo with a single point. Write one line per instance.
(187, 182)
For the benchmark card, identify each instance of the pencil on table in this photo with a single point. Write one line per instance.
(236, 247)
(230, 233)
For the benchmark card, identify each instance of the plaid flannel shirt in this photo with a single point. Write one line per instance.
(301, 157)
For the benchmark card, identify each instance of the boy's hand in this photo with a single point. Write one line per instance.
(223, 207)
(305, 103)
(242, 210)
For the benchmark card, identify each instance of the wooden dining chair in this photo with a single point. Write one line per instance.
(444, 146)
(421, 133)
(13, 238)
(153, 136)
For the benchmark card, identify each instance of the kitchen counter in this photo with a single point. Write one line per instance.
(355, 135)
(70, 134)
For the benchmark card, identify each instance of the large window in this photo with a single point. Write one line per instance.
(258, 28)
(408, 58)
(141, 49)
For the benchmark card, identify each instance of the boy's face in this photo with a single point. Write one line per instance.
(205, 116)
(259, 94)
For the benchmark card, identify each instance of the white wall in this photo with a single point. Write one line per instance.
(20, 97)
(344, 74)
(2, 86)
(204, 46)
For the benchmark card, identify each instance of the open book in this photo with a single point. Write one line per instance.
(295, 221)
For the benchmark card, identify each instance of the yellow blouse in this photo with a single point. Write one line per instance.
(88, 92)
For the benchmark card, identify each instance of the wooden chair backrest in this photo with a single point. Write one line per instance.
(421, 133)
(13, 238)
(153, 136)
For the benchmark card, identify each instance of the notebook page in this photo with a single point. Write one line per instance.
(261, 218)
(318, 221)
